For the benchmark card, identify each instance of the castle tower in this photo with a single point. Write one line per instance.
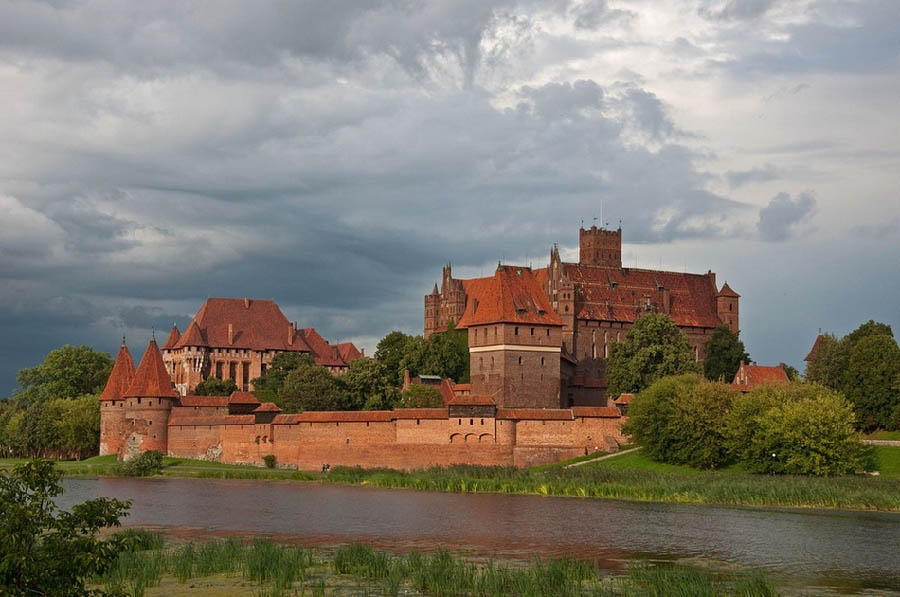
(168, 348)
(432, 305)
(561, 292)
(112, 403)
(148, 403)
(600, 247)
(727, 307)
(190, 359)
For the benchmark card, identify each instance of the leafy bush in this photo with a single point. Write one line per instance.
(148, 463)
(650, 412)
(270, 461)
(419, 396)
(801, 429)
(212, 386)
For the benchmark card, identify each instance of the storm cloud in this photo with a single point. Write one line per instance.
(333, 156)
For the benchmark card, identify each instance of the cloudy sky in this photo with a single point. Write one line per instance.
(333, 155)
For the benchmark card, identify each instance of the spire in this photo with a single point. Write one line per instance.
(151, 378)
(173, 338)
(727, 291)
(121, 375)
(192, 337)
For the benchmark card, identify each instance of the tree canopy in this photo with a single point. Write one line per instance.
(311, 387)
(369, 386)
(66, 372)
(213, 386)
(419, 396)
(445, 354)
(724, 353)
(654, 348)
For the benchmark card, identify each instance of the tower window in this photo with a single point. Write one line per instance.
(532, 331)
(520, 360)
(516, 331)
(731, 307)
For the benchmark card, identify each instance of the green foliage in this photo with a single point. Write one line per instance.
(654, 348)
(870, 328)
(803, 429)
(681, 420)
(419, 396)
(828, 365)
(444, 354)
(144, 465)
(270, 460)
(58, 428)
(311, 387)
(791, 372)
(369, 386)
(44, 551)
(871, 381)
(213, 386)
(724, 353)
(268, 387)
(66, 372)
(390, 351)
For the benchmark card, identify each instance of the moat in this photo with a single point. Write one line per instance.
(847, 551)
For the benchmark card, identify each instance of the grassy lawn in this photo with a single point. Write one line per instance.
(884, 435)
(886, 460)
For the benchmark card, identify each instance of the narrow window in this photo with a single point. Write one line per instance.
(548, 331)
(516, 331)
(542, 361)
(532, 331)
(471, 421)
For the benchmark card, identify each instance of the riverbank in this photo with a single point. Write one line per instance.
(630, 476)
(265, 568)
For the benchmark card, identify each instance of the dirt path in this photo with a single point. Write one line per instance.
(604, 457)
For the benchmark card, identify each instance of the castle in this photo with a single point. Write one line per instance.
(541, 337)
(538, 342)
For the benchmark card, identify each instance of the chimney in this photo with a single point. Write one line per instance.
(290, 333)
(246, 303)
(230, 334)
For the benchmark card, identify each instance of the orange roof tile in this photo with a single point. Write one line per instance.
(420, 413)
(256, 324)
(606, 412)
(727, 291)
(749, 376)
(151, 378)
(624, 398)
(173, 338)
(462, 387)
(815, 348)
(267, 407)
(324, 354)
(345, 416)
(348, 351)
(213, 420)
(511, 295)
(286, 419)
(121, 375)
(470, 400)
(536, 414)
(242, 398)
(204, 401)
(619, 294)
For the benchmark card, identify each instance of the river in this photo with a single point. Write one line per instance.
(847, 551)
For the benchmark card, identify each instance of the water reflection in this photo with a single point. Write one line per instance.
(846, 549)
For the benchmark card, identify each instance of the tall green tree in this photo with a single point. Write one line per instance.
(213, 386)
(724, 353)
(654, 348)
(390, 351)
(419, 396)
(44, 551)
(828, 364)
(870, 381)
(369, 386)
(268, 387)
(66, 372)
(447, 355)
(869, 328)
(311, 387)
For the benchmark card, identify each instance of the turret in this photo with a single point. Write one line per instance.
(148, 404)
(727, 307)
(601, 247)
(112, 403)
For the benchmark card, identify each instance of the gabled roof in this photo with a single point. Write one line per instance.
(605, 412)
(121, 375)
(256, 324)
(324, 354)
(512, 295)
(619, 294)
(815, 348)
(267, 407)
(727, 291)
(348, 351)
(469, 400)
(624, 398)
(173, 338)
(238, 397)
(749, 376)
(535, 414)
(151, 378)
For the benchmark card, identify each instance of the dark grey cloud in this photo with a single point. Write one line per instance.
(737, 10)
(593, 14)
(779, 219)
(739, 178)
(878, 231)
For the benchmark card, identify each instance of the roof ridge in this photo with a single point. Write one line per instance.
(151, 378)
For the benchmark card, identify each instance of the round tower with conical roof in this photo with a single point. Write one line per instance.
(112, 403)
(148, 404)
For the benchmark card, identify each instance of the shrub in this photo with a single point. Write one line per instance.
(270, 461)
(148, 463)
(803, 429)
(650, 413)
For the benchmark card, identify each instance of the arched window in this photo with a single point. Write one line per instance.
(520, 360)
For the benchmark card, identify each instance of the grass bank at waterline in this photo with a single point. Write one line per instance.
(635, 477)
(266, 568)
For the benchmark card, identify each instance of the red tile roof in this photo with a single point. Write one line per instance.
(512, 295)
(749, 376)
(619, 294)
(120, 377)
(348, 351)
(727, 291)
(606, 412)
(815, 348)
(267, 407)
(420, 413)
(173, 338)
(151, 378)
(469, 400)
(242, 398)
(324, 354)
(256, 324)
(204, 401)
(462, 387)
(624, 398)
(537, 414)
(345, 416)
(214, 420)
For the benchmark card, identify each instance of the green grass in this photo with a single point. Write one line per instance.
(886, 460)
(274, 569)
(883, 435)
